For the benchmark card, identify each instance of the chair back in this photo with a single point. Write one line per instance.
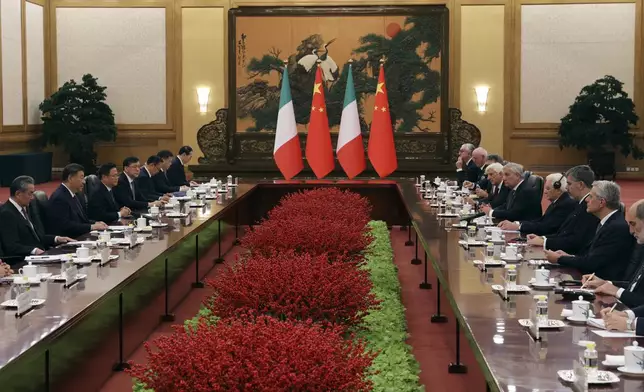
(92, 182)
(38, 208)
(535, 182)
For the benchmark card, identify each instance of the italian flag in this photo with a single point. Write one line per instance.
(287, 151)
(350, 149)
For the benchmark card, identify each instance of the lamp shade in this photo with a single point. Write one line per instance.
(203, 94)
(481, 97)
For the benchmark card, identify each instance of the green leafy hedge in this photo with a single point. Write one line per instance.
(383, 328)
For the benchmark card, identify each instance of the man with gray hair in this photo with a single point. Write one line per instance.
(576, 232)
(561, 205)
(466, 169)
(524, 201)
(479, 157)
(609, 252)
(21, 232)
(629, 291)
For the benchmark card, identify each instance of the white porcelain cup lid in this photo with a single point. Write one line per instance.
(580, 301)
(634, 347)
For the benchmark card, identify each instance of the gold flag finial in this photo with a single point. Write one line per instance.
(383, 59)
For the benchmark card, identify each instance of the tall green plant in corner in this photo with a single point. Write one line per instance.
(599, 122)
(75, 117)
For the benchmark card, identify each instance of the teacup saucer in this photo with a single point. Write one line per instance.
(580, 320)
(631, 372)
(515, 258)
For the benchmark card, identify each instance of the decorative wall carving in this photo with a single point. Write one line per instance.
(212, 139)
(461, 132)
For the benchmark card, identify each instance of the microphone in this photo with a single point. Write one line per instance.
(470, 218)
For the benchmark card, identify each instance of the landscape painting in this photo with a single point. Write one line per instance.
(412, 46)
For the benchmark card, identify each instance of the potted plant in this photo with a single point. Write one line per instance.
(75, 117)
(599, 122)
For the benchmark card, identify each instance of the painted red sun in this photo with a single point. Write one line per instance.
(393, 29)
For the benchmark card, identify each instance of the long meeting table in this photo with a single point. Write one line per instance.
(510, 358)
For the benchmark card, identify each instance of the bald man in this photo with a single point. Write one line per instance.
(630, 292)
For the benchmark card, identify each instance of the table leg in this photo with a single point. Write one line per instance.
(121, 364)
(219, 259)
(438, 317)
(197, 284)
(409, 241)
(416, 260)
(167, 316)
(425, 285)
(457, 367)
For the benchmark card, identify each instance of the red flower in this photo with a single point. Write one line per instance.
(267, 355)
(308, 234)
(325, 204)
(290, 286)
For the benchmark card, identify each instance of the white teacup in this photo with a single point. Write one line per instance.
(105, 254)
(105, 236)
(154, 210)
(29, 271)
(542, 276)
(422, 178)
(634, 358)
(141, 222)
(580, 308)
(82, 252)
(497, 235)
(191, 194)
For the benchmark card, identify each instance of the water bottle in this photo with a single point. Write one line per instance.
(542, 309)
(511, 275)
(590, 359)
(489, 252)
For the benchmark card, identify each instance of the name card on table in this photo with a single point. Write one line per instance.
(23, 302)
(70, 275)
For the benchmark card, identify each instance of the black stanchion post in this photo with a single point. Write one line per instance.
(219, 259)
(457, 367)
(120, 365)
(409, 241)
(416, 260)
(197, 284)
(425, 285)
(47, 370)
(236, 242)
(167, 316)
(438, 317)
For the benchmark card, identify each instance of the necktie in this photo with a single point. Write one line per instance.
(510, 200)
(25, 214)
(112, 197)
(496, 191)
(81, 210)
(133, 192)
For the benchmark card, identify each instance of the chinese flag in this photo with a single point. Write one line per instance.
(319, 151)
(381, 150)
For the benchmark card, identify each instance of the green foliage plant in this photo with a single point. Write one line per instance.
(76, 117)
(600, 120)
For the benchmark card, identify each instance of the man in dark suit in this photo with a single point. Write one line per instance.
(561, 205)
(126, 191)
(629, 291)
(176, 172)
(66, 215)
(102, 205)
(609, 253)
(145, 182)
(479, 158)
(161, 182)
(21, 232)
(578, 230)
(524, 201)
(496, 193)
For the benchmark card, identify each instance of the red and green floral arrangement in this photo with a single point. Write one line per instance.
(286, 314)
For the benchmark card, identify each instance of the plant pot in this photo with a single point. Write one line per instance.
(602, 163)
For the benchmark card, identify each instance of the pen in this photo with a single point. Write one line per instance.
(588, 280)
(613, 308)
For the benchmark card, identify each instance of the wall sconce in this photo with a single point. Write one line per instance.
(202, 96)
(481, 98)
